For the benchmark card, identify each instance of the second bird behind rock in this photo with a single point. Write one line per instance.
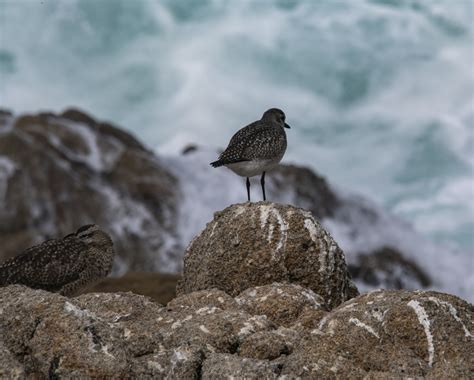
(256, 148)
(64, 265)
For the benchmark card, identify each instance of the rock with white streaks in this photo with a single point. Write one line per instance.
(224, 366)
(389, 334)
(209, 334)
(281, 303)
(254, 244)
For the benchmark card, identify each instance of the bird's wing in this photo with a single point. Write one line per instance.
(240, 142)
(264, 143)
(48, 265)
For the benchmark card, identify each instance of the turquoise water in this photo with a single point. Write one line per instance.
(379, 93)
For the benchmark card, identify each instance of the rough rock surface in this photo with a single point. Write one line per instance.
(260, 243)
(207, 334)
(281, 303)
(389, 334)
(225, 366)
(58, 172)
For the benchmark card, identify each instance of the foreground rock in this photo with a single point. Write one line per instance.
(384, 334)
(261, 243)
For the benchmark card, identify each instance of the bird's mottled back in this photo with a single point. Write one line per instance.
(62, 265)
(260, 140)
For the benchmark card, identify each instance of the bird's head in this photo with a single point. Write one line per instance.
(275, 115)
(92, 235)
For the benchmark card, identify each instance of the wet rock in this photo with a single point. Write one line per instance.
(390, 333)
(63, 171)
(281, 303)
(221, 366)
(261, 243)
(388, 268)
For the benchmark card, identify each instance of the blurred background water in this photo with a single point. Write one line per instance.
(379, 93)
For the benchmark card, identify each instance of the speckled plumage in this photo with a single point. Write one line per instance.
(261, 140)
(62, 265)
(256, 148)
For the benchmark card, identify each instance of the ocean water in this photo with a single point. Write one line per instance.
(379, 94)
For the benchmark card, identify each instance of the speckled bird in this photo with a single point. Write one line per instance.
(62, 265)
(256, 148)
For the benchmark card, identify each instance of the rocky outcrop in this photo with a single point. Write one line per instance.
(207, 334)
(261, 243)
(308, 325)
(387, 334)
(58, 172)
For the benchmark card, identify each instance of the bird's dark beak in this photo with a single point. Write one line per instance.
(287, 126)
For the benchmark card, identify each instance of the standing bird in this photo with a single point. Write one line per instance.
(62, 265)
(256, 148)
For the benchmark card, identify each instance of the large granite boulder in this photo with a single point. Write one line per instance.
(58, 172)
(260, 243)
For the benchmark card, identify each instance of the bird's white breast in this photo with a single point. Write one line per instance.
(253, 168)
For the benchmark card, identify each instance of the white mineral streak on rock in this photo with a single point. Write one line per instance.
(250, 324)
(204, 329)
(311, 296)
(176, 325)
(454, 313)
(425, 322)
(264, 214)
(349, 306)
(246, 330)
(179, 355)
(239, 210)
(213, 228)
(313, 233)
(206, 310)
(266, 211)
(81, 313)
(358, 323)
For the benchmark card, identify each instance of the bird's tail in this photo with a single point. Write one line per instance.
(216, 164)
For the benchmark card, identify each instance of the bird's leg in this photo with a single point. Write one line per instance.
(248, 189)
(262, 181)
